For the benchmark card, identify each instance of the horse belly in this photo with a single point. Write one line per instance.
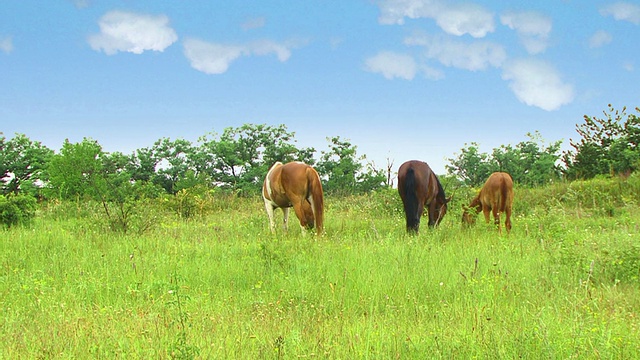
(280, 201)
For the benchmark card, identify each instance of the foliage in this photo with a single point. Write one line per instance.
(239, 157)
(172, 160)
(343, 172)
(16, 209)
(76, 171)
(529, 163)
(22, 162)
(192, 201)
(607, 145)
(471, 166)
(563, 284)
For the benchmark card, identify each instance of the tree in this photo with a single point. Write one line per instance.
(607, 145)
(472, 166)
(22, 162)
(342, 170)
(240, 157)
(530, 162)
(171, 160)
(77, 170)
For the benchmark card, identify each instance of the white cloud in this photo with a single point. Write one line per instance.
(130, 32)
(254, 23)
(628, 66)
(6, 45)
(600, 38)
(623, 11)
(80, 4)
(455, 19)
(212, 58)
(466, 19)
(537, 83)
(472, 56)
(532, 27)
(392, 65)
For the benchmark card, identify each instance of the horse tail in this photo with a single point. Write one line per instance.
(315, 189)
(411, 201)
(504, 190)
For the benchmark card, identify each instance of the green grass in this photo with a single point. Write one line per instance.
(563, 284)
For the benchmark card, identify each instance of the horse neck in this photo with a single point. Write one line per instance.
(476, 204)
(440, 196)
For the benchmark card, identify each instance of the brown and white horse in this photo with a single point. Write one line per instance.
(496, 196)
(296, 185)
(419, 187)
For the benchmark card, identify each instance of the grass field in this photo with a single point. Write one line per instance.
(564, 284)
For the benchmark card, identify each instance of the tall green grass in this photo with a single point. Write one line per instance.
(564, 284)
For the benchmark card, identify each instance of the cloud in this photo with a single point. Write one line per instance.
(80, 4)
(254, 23)
(536, 83)
(392, 65)
(454, 19)
(130, 32)
(212, 58)
(472, 56)
(600, 38)
(628, 66)
(6, 45)
(623, 11)
(532, 27)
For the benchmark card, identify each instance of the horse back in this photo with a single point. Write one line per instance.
(415, 175)
(498, 190)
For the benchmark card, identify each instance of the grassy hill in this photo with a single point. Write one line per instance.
(564, 284)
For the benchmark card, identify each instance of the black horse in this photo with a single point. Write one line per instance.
(419, 187)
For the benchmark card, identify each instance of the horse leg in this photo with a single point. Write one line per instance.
(431, 211)
(485, 211)
(270, 208)
(507, 221)
(496, 219)
(299, 210)
(285, 212)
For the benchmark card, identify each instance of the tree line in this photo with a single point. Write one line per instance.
(234, 161)
(237, 159)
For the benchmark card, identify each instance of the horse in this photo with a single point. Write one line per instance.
(294, 184)
(419, 187)
(496, 195)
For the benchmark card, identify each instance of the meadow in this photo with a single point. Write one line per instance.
(564, 284)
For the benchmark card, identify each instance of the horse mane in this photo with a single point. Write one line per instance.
(440, 188)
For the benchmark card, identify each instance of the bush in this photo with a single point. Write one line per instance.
(16, 209)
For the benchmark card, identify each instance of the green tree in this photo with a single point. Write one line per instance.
(473, 167)
(22, 164)
(529, 162)
(240, 157)
(77, 170)
(607, 145)
(342, 171)
(142, 165)
(171, 160)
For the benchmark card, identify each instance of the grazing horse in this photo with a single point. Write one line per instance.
(496, 195)
(419, 187)
(296, 185)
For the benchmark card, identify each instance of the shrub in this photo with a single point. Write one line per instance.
(16, 209)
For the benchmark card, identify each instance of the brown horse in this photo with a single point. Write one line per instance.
(419, 187)
(496, 195)
(296, 185)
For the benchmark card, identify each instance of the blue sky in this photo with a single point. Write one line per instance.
(400, 79)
